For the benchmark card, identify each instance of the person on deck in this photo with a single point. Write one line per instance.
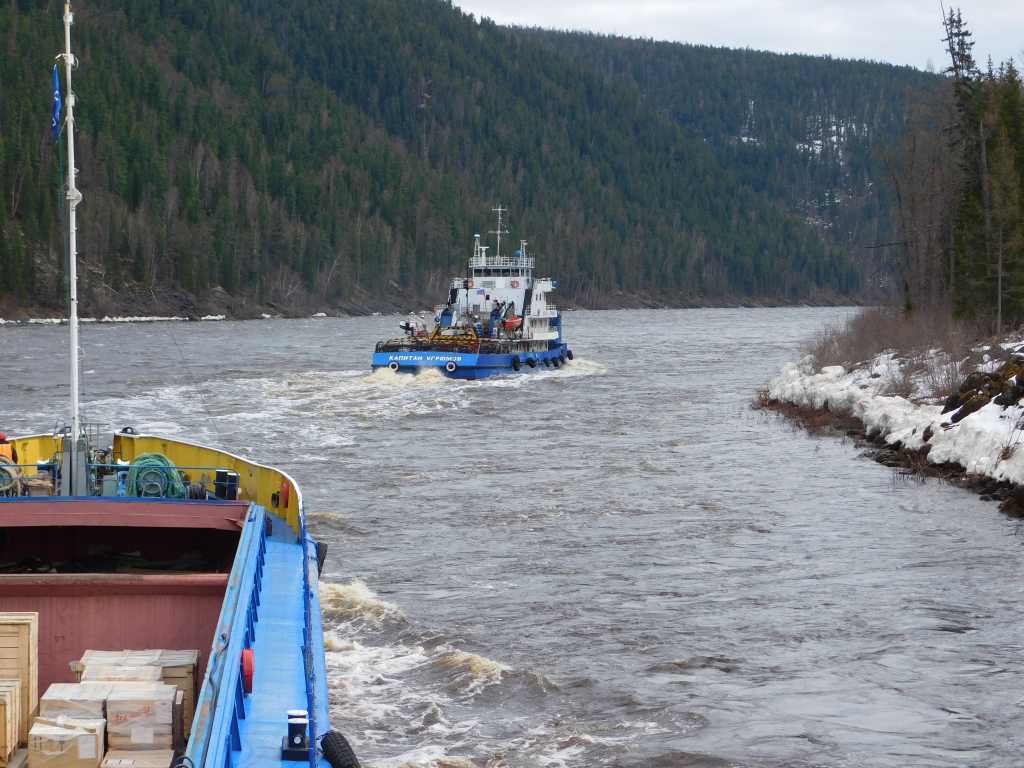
(7, 449)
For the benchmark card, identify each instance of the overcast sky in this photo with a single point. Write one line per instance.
(898, 31)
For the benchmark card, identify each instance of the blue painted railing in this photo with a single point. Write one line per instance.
(221, 705)
(313, 646)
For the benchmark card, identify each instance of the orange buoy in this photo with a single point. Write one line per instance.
(248, 668)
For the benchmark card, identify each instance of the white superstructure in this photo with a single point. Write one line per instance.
(504, 284)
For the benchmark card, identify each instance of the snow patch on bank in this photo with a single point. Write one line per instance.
(986, 442)
(114, 319)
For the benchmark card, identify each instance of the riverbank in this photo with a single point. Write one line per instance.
(177, 304)
(928, 414)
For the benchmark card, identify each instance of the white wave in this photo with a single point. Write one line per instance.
(425, 757)
(355, 600)
(473, 672)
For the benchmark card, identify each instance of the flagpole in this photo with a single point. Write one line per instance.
(74, 197)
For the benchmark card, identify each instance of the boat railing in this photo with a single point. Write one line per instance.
(215, 731)
(480, 262)
(197, 482)
(312, 643)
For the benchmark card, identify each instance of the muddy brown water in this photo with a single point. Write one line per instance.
(614, 564)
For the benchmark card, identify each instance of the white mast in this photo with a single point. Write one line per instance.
(74, 197)
(499, 231)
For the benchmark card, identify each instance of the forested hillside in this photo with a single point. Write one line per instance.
(809, 131)
(324, 154)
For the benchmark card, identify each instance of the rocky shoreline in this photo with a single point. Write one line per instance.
(181, 304)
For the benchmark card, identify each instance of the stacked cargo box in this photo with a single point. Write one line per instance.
(177, 668)
(66, 742)
(129, 703)
(132, 715)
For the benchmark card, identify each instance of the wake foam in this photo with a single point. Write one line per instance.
(355, 601)
(473, 672)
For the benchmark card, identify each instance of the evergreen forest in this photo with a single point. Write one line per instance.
(958, 192)
(324, 154)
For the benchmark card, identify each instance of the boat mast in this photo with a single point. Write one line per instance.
(499, 231)
(76, 477)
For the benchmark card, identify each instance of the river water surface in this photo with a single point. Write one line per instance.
(618, 563)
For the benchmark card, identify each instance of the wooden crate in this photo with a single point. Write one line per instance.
(10, 718)
(19, 659)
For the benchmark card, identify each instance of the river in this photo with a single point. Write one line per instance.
(619, 563)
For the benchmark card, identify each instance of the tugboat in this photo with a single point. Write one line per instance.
(497, 319)
(140, 546)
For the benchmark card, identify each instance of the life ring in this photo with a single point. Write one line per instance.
(515, 283)
(450, 366)
(393, 366)
(515, 363)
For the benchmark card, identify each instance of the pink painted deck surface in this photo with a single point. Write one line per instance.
(114, 612)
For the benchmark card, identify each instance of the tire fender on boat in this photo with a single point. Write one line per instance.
(450, 366)
(568, 353)
(515, 363)
(532, 362)
(393, 366)
(337, 751)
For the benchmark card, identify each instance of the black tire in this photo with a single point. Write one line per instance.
(321, 557)
(561, 358)
(515, 364)
(555, 362)
(532, 362)
(337, 751)
(547, 363)
(568, 353)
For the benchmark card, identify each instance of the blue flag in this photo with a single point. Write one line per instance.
(57, 102)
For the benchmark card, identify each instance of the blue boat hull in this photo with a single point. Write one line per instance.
(464, 365)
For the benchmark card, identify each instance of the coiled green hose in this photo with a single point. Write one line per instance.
(153, 475)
